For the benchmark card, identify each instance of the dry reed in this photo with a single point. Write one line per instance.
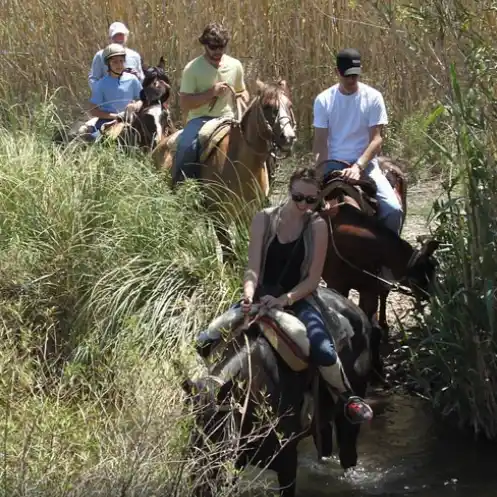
(46, 45)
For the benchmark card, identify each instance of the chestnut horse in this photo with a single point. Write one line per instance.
(236, 152)
(338, 190)
(360, 246)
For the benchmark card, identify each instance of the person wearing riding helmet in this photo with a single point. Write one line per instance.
(204, 94)
(118, 33)
(115, 91)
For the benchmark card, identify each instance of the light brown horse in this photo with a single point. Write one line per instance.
(234, 154)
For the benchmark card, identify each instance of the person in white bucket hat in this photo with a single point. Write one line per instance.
(118, 33)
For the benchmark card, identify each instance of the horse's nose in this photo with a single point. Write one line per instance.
(288, 136)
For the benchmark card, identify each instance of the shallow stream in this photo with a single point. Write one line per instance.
(404, 453)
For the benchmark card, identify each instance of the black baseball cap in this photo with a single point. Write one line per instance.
(349, 62)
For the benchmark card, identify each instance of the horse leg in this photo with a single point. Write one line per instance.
(287, 471)
(382, 318)
(326, 434)
(346, 432)
(368, 302)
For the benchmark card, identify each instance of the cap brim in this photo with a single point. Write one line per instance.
(353, 71)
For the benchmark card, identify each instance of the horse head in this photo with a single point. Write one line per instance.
(421, 271)
(208, 399)
(153, 120)
(279, 119)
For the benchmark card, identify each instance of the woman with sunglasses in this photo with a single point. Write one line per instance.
(204, 95)
(287, 251)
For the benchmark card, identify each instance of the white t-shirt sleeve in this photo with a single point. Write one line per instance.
(320, 113)
(378, 111)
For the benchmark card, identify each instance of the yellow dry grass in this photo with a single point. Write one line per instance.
(51, 43)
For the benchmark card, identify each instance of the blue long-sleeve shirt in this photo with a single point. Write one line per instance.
(99, 68)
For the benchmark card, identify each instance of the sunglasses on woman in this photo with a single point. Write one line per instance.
(299, 197)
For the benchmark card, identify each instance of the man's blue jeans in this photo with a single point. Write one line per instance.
(186, 161)
(390, 210)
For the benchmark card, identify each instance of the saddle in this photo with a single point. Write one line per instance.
(283, 330)
(209, 137)
(362, 191)
(111, 130)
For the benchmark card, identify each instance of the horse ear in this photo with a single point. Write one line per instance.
(284, 86)
(260, 85)
(162, 62)
(429, 247)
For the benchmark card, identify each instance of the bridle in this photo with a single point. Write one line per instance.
(271, 130)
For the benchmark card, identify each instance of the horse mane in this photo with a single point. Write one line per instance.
(270, 92)
(236, 354)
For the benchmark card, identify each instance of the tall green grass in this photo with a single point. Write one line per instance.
(456, 361)
(105, 276)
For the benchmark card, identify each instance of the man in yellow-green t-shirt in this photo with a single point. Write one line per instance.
(205, 78)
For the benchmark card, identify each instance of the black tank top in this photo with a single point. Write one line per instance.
(282, 267)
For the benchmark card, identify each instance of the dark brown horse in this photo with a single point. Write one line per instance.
(361, 195)
(249, 359)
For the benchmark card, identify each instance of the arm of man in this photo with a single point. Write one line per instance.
(321, 131)
(97, 70)
(240, 86)
(189, 99)
(377, 120)
(307, 286)
(254, 255)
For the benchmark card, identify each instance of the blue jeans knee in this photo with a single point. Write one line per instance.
(323, 352)
(187, 149)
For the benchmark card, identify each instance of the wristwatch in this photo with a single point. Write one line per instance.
(289, 299)
(360, 164)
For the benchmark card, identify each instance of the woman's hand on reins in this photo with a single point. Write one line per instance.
(246, 304)
(268, 301)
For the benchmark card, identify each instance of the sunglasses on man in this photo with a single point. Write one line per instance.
(216, 46)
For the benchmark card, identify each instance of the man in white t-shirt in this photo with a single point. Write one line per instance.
(348, 120)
